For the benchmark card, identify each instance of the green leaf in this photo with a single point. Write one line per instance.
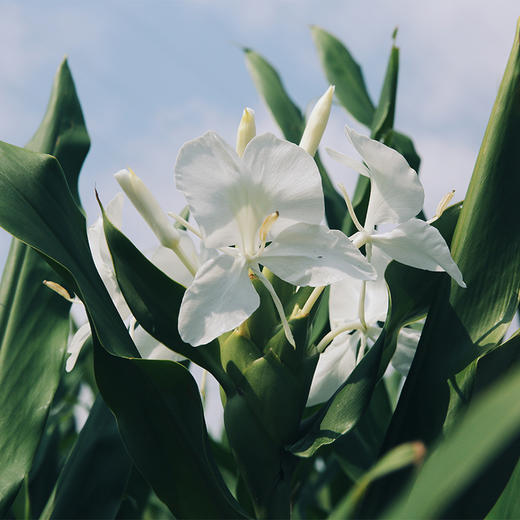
(270, 86)
(93, 480)
(411, 292)
(161, 420)
(155, 300)
(34, 322)
(508, 505)
(404, 145)
(396, 459)
(486, 248)
(490, 424)
(344, 72)
(63, 133)
(37, 207)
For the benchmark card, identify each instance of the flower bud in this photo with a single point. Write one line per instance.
(143, 200)
(317, 122)
(246, 130)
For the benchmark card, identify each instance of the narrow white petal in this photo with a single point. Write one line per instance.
(208, 172)
(333, 368)
(220, 298)
(357, 166)
(150, 348)
(304, 254)
(76, 344)
(406, 346)
(418, 244)
(396, 193)
(285, 179)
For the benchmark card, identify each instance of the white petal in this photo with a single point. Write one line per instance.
(76, 344)
(286, 179)
(333, 368)
(168, 262)
(406, 346)
(357, 166)
(220, 298)
(304, 254)
(208, 171)
(396, 193)
(150, 348)
(418, 244)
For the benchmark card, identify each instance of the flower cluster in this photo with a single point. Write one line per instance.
(260, 206)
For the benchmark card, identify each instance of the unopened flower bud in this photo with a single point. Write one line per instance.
(246, 130)
(143, 200)
(317, 122)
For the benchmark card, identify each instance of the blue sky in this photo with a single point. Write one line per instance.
(151, 75)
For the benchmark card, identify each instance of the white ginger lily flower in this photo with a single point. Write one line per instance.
(396, 197)
(163, 258)
(268, 205)
(342, 355)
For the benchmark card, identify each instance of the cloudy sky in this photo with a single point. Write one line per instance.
(151, 75)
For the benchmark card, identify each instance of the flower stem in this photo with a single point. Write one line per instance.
(185, 223)
(177, 249)
(325, 341)
(309, 304)
(277, 304)
(350, 208)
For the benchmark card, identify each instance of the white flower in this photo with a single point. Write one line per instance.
(340, 358)
(396, 197)
(263, 208)
(163, 258)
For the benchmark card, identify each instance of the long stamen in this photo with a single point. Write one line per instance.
(266, 226)
(309, 304)
(362, 296)
(277, 304)
(324, 343)
(185, 223)
(350, 208)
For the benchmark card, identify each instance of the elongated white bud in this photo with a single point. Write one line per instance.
(246, 130)
(148, 207)
(317, 122)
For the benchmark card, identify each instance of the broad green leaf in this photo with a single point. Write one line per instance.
(491, 422)
(396, 459)
(161, 420)
(486, 247)
(37, 207)
(155, 300)
(270, 86)
(508, 505)
(292, 123)
(34, 322)
(411, 292)
(344, 72)
(93, 480)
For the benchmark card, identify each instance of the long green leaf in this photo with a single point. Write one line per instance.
(490, 424)
(34, 323)
(486, 246)
(161, 420)
(155, 300)
(93, 480)
(345, 73)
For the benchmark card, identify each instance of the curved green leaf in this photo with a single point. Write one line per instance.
(37, 207)
(161, 420)
(93, 480)
(34, 322)
(345, 73)
(490, 424)
(155, 300)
